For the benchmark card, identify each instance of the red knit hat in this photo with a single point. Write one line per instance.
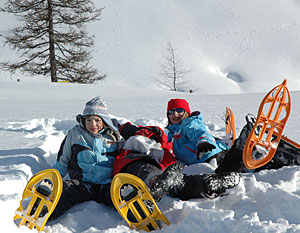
(179, 103)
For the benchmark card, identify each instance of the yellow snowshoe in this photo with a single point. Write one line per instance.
(39, 199)
(134, 202)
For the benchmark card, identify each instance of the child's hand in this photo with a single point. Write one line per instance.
(204, 147)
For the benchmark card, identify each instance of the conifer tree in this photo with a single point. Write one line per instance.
(52, 39)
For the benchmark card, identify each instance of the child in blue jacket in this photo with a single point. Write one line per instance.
(87, 154)
(192, 143)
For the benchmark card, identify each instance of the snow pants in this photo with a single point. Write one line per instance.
(75, 192)
(172, 181)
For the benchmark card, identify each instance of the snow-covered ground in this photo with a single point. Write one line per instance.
(234, 48)
(35, 116)
(231, 46)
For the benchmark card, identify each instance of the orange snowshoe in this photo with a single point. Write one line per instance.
(265, 135)
(230, 125)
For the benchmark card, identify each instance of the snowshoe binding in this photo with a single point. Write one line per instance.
(287, 154)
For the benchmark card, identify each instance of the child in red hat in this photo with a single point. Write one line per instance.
(192, 143)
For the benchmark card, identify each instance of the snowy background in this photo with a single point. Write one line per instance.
(237, 50)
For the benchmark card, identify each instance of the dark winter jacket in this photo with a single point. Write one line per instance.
(87, 157)
(187, 135)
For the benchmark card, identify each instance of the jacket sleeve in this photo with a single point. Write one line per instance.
(196, 132)
(64, 155)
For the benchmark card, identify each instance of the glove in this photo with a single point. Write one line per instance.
(204, 147)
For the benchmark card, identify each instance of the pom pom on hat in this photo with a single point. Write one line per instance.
(179, 103)
(95, 107)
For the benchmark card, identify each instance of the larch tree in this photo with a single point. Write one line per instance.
(52, 39)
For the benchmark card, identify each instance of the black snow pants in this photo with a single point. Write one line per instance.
(75, 192)
(171, 181)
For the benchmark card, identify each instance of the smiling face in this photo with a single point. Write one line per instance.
(176, 117)
(93, 124)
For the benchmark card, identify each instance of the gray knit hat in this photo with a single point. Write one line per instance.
(95, 107)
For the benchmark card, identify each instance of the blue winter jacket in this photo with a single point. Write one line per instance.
(87, 157)
(187, 135)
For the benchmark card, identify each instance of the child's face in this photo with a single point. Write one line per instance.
(176, 115)
(93, 124)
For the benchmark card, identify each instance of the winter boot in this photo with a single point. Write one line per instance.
(172, 176)
(215, 185)
(241, 140)
(233, 160)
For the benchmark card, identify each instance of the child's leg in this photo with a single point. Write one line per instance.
(233, 161)
(145, 170)
(159, 182)
(73, 192)
(101, 194)
(192, 187)
(171, 178)
(210, 185)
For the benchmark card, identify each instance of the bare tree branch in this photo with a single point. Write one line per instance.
(172, 74)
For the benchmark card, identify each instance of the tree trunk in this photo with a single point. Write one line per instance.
(51, 44)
